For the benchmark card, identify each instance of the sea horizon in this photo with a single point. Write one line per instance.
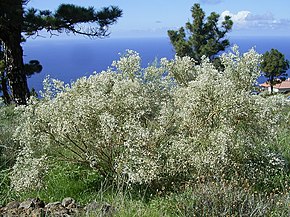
(70, 59)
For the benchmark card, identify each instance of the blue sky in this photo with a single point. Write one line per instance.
(152, 18)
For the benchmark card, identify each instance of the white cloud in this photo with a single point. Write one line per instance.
(247, 20)
(267, 16)
(239, 18)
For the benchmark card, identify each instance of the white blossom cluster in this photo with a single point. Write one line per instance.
(169, 119)
(28, 170)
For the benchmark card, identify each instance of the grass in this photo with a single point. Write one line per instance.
(8, 150)
(67, 180)
(220, 198)
(8, 147)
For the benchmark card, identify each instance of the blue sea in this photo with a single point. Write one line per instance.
(70, 59)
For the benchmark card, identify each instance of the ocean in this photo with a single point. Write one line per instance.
(70, 59)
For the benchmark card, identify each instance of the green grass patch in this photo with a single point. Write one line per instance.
(198, 199)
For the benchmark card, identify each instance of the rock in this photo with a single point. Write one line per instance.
(27, 212)
(38, 212)
(38, 203)
(12, 205)
(51, 208)
(67, 201)
(32, 203)
(61, 212)
(53, 204)
(26, 204)
(67, 208)
(73, 206)
(12, 212)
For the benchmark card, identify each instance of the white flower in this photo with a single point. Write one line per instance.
(172, 118)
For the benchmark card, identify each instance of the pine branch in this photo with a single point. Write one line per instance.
(71, 19)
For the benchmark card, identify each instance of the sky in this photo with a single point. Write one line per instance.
(152, 18)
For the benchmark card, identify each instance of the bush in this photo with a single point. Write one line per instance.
(163, 125)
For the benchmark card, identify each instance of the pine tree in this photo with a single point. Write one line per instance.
(205, 37)
(16, 22)
(274, 66)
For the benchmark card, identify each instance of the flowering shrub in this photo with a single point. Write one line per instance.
(28, 170)
(173, 119)
(222, 128)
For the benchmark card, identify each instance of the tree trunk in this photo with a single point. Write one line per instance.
(272, 83)
(272, 88)
(11, 18)
(17, 80)
(6, 96)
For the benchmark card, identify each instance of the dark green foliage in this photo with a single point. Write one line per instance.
(32, 67)
(274, 67)
(206, 37)
(68, 17)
